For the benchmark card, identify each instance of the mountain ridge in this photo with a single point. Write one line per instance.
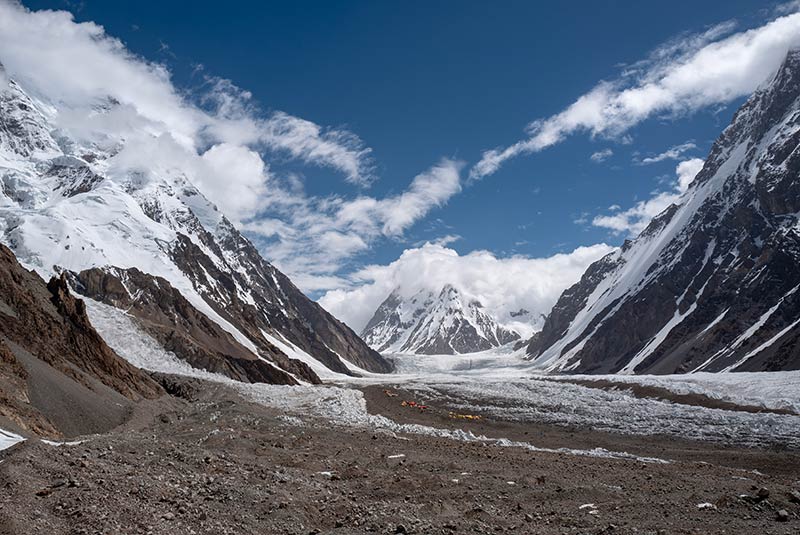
(69, 205)
(710, 284)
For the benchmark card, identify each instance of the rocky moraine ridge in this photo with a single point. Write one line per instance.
(65, 380)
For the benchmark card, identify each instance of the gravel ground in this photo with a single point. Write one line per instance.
(219, 464)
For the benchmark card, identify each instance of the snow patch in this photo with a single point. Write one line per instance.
(8, 439)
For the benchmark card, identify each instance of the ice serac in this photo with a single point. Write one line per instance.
(141, 236)
(434, 323)
(713, 283)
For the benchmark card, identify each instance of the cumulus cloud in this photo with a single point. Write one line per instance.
(686, 172)
(682, 76)
(673, 153)
(233, 176)
(247, 194)
(502, 285)
(106, 95)
(601, 155)
(634, 220)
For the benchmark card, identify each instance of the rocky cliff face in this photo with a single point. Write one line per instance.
(712, 284)
(69, 205)
(434, 323)
(48, 348)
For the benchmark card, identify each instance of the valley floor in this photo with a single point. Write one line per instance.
(228, 458)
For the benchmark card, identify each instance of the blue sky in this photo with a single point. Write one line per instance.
(420, 81)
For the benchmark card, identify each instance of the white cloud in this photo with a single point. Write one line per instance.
(445, 240)
(687, 171)
(503, 285)
(601, 155)
(243, 196)
(106, 94)
(233, 176)
(673, 153)
(787, 7)
(428, 190)
(307, 141)
(217, 137)
(312, 238)
(635, 219)
(684, 75)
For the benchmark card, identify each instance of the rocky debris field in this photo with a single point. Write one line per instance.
(211, 462)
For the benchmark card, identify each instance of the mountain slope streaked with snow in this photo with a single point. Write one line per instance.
(711, 284)
(73, 202)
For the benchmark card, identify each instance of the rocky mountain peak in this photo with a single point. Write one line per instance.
(434, 322)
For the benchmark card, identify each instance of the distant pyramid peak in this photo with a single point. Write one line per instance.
(446, 321)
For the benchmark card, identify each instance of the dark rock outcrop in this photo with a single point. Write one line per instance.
(278, 307)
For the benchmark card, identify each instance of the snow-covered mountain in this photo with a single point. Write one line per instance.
(712, 283)
(434, 323)
(142, 237)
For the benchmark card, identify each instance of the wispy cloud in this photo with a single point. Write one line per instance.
(682, 76)
(673, 153)
(787, 7)
(338, 149)
(444, 241)
(634, 220)
(601, 155)
(313, 238)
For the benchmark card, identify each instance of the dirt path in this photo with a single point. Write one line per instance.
(222, 465)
